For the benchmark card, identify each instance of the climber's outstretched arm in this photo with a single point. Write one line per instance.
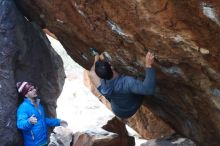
(94, 78)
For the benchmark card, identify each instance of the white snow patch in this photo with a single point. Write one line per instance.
(100, 132)
(204, 51)
(179, 141)
(178, 38)
(209, 11)
(116, 28)
(79, 11)
(107, 56)
(175, 70)
(60, 21)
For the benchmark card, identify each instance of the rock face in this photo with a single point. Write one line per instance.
(94, 139)
(61, 136)
(111, 133)
(171, 141)
(115, 135)
(116, 126)
(25, 54)
(184, 35)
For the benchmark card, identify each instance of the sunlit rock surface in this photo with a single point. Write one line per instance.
(170, 141)
(115, 134)
(91, 138)
(61, 136)
(25, 54)
(184, 35)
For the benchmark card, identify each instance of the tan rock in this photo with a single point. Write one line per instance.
(126, 29)
(61, 136)
(169, 141)
(115, 134)
(91, 138)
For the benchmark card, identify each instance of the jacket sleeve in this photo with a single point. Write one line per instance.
(23, 122)
(52, 122)
(146, 87)
(105, 92)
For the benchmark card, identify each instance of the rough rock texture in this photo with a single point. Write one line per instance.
(144, 121)
(116, 126)
(94, 139)
(174, 140)
(115, 134)
(25, 54)
(61, 136)
(184, 35)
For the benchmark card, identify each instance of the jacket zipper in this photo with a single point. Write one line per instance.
(32, 134)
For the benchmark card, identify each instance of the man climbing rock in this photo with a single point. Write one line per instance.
(31, 118)
(123, 92)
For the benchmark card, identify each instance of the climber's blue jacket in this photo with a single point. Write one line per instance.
(123, 92)
(34, 134)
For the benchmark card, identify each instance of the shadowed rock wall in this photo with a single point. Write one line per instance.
(184, 35)
(25, 54)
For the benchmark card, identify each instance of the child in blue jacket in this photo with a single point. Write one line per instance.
(31, 118)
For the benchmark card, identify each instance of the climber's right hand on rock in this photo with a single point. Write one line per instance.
(33, 119)
(149, 60)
